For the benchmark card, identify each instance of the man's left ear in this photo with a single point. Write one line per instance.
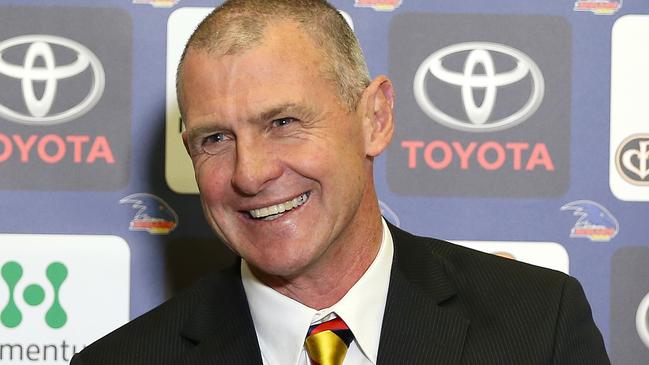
(378, 123)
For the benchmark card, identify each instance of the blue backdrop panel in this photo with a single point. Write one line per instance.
(522, 130)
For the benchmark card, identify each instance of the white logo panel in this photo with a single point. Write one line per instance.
(550, 255)
(59, 293)
(179, 171)
(629, 137)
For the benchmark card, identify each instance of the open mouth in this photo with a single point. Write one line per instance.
(277, 210)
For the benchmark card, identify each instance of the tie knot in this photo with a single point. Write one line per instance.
(327, 342)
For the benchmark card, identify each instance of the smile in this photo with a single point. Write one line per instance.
(273, 211)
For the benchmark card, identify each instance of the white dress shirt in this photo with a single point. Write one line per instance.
(281, 323)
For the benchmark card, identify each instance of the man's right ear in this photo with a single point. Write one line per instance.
(378, 119)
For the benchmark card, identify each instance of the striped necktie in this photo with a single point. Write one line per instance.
(327, 342)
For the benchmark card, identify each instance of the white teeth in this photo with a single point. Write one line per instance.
(279, 208)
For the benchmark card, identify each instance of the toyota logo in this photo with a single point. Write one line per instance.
(642, 320)
(479, 116)
(39, 47)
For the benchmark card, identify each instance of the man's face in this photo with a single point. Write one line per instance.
(266, 133)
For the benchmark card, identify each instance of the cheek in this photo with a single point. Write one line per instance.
(213, 178)
(317, 162)
(340, 170)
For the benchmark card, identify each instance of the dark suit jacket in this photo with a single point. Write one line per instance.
(446, 305)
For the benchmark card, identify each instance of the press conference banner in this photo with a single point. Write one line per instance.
(522, 130)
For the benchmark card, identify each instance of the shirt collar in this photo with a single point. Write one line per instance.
(281, 323)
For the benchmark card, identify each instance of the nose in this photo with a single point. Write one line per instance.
(256, 165)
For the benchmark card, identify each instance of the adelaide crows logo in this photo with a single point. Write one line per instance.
(153, 214)
(598, 7)
(595, 222)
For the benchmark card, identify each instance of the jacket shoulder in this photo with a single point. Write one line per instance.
(518, 313)
(464, 265)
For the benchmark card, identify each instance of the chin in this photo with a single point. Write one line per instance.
(285, 268)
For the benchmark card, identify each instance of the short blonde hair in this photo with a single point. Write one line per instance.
(238, 25)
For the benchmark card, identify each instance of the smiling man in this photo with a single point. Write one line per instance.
(283, 124)
(269, 132)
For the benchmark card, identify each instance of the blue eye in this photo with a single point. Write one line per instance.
(214, 138)
(283, 121)
(211, 143)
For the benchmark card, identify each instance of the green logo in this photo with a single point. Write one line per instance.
(33, 294)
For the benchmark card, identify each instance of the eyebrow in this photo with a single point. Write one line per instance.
(194, 133)
(287, 108)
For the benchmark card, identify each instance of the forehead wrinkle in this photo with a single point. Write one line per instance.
(286, 108)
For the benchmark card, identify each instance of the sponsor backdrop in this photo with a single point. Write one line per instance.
(522, 131)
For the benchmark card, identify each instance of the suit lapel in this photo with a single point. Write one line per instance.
(221, 326)
(419, 325)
